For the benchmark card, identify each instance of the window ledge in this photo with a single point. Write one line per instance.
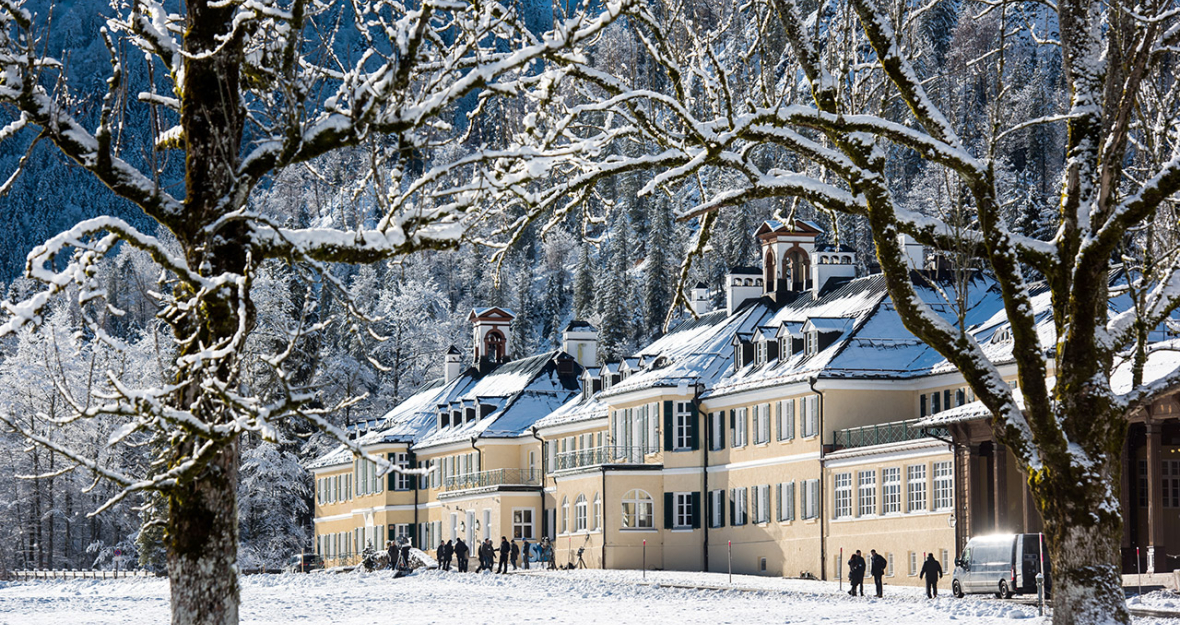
(639, 530)
(682, 530)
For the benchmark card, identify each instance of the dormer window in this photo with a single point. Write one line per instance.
(457, 417)
(470, 414)
(444, 419)
(760, 355)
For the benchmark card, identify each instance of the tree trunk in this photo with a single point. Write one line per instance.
(203, 544)
(1087, 584)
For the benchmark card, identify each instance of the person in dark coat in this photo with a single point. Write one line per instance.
(856, 573)
(505, 549)
(515, 553)
(448, 552)
(932, 571)
(877, 566)
(391, 552)
(461, 550)
(440, 553)
(526, 551)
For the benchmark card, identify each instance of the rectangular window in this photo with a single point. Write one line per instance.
(653, 431)
(739, 427)
(913, 563)
(916, 491)
(944, 485)
(717, 508)
(786, 420)
(945, 557)
(889, 564)
(737, 499)
(402, 481)
(682, 510)
(763, 498)
(866, 493)
(487, 524)
(717, 419)
(891, 490)
(683, 424)
(761, 424)
(811, 505)
(786, 501)
(1171, 477)
(843, 495)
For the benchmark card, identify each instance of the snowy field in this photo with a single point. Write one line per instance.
(579, 597)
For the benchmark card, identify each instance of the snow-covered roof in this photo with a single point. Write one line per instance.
(576, 410)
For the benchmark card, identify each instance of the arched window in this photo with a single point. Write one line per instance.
(638, 510)
(580, 509)
(565, 515)
(795, 269)
(493, 343)
(597, 511)
(768, 269)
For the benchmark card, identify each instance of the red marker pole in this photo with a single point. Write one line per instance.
(645, 560)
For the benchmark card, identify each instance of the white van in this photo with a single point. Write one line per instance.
(1002, 564)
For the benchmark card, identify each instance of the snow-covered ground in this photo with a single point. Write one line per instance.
(581, 597)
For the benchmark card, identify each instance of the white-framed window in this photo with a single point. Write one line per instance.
(761, 424)
(638, 510)
(682, 511)
(786, 419)
(717, 508)
(717, 419)
(597, 511)
(889, 564)
(682, 422)
(653, 428)
(760, 499)
(913, 563)
(944, 557)
(738, 503)
(487, 523)
(809, 499)
(739, 427)
(1170, 474)
(843, 495)
(581, 513)
(786, 501)
(402, 480)
(944, 485)
(916, 487)
(866, 493)
(565, 515)
(760, 352)
(891, 490)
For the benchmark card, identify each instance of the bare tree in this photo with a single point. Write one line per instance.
(729, 126)
(252, 87)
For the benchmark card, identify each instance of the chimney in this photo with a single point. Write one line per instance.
(580, 340)
(915, 253)
(741, 284)
(831, 262)
(492, 335)
(699, 299)
(453, 365)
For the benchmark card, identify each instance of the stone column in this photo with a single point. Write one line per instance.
(1155, 495)
(1000, 485)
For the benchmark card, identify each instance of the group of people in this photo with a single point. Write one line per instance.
(509, 552)
(931, 572)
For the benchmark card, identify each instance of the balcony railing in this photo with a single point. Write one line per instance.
(884, 433)
(600, 456)
(495, 477)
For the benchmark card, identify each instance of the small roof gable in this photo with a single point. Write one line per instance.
(454, 351)
(766, 333)
(491, 313)
(827, 324)
(793, 329)
(802, 226)
(579, 324)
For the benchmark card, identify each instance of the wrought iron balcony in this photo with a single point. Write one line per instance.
(600, 456)
(494, 477)
(884, 433)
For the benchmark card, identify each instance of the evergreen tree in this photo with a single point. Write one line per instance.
(658, 280)
(584, 285)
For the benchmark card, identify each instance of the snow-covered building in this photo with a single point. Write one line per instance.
(799, 424)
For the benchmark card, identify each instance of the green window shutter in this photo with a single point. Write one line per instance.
(696, 510)
(669, 439)
(391, 457)
(694, 429)
(668, 511)
(413, 535)
(392, 531)
(721, 431)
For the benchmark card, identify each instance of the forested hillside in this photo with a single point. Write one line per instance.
(621, 272)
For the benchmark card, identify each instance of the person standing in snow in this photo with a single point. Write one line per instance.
(448, 551)
(877, 568)
(505, 550)
(461, 550)
(440, 555)
(525, 552)
(391, 553)
(932, 571)
(515, 553)
(856, 573)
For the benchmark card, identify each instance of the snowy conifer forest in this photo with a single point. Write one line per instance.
(174, 313)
